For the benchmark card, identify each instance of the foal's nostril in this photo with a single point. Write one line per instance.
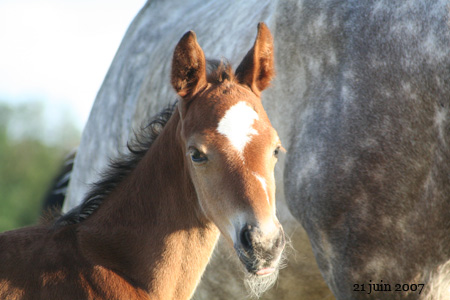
(246, 239)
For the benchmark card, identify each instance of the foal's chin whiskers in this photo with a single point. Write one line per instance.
(257, 285)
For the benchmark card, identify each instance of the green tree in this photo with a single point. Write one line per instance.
(28, 162)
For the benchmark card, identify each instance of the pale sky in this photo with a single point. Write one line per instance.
(59, 51)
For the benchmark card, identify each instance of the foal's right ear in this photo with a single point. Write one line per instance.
(188, 67)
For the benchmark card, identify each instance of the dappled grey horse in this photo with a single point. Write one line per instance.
(361, 102)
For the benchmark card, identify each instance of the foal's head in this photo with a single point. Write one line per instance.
(231, 148)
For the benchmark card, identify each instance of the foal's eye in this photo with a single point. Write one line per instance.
(276, 151)
(197, 156)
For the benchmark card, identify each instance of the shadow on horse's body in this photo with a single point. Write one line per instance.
(148, 228)
(361, 102)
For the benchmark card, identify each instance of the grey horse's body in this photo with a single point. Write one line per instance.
(361, 102)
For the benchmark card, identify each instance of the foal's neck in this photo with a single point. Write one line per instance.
(150, 229)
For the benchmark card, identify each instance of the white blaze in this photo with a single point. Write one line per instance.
(237, 124)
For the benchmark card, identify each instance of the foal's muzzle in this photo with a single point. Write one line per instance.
(260, 253)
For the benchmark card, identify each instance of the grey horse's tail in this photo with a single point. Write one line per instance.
(54, 198)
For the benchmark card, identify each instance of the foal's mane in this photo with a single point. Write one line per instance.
(118, 169)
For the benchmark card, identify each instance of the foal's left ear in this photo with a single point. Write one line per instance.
(188, 67)
(257, 68)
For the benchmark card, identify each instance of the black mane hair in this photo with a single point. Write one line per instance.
(118, 169)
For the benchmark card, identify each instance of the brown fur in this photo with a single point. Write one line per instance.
(256, 69)
(151, 237)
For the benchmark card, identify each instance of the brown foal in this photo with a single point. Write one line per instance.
(148, 228)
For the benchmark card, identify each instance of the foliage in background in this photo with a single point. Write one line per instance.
(30, 155)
